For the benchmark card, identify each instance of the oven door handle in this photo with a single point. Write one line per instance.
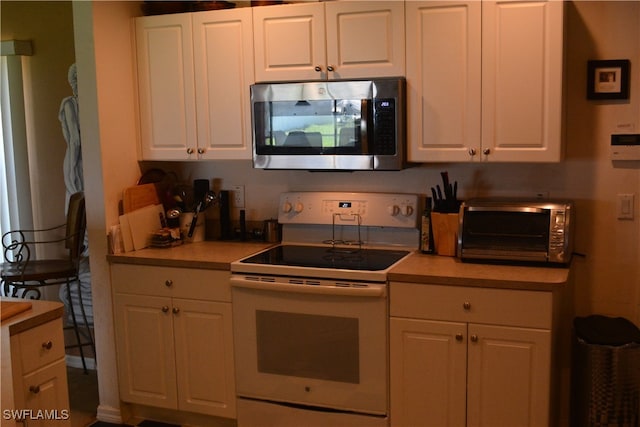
(347, 290)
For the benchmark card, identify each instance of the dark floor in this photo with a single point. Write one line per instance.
(142, 424)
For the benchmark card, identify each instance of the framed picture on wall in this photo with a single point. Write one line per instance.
(608, 79)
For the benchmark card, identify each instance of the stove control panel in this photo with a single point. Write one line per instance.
(366, 209)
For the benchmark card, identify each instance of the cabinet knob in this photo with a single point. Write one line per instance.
(168, 283)
(330, 68)
(486, 151)
(200, 150)
(35, 389)
(472, 151)
(459, 337)
(175, 310)
(165, 309)
(473, 338)
(466, 306)
(189, 150)
(47, 345)
(318, 68)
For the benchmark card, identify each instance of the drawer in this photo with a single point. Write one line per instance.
(524, 308)
(41, 345)
(211, 285)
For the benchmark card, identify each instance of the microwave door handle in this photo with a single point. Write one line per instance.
(365, 114)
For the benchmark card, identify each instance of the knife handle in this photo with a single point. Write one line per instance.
(192, 227)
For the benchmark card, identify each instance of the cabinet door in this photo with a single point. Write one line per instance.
(522, 66)
(289, 42)
(365, 39)
(166, 87)
(144, 339)
(223, 65)
(204, 357)
(443, 79)
(46, 390)
(508, 376)
(428, 372)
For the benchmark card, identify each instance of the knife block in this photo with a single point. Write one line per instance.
(445, 232)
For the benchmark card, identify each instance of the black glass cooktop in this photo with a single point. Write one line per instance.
(328, 257)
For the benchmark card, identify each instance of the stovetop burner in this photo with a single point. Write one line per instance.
(333, 257)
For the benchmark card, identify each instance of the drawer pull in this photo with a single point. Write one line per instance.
(168, 283)
(47, 345)
(474, 338)
(165, 309)
(459, 337)
(466, 306)
(35, 389)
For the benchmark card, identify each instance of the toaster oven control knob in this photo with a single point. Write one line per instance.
(298, 208)
(286, 207)
(393, 210)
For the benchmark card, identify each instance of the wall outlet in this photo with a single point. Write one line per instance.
(625, 204)
(238, 196)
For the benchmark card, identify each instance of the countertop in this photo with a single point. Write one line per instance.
(41, 311)
(442, 270)
(215, 255)
(416, 268)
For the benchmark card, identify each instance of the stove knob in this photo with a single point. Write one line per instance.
(407, 210)
(299, 207)
(393, 210)
(286, 207)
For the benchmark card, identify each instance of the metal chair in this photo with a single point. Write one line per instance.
(23, 277)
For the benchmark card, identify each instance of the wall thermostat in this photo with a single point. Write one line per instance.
(625, 147)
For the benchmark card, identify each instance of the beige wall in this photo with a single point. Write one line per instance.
(49, 26)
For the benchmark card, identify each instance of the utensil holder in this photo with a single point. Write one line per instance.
(198, 232)
(445, 232)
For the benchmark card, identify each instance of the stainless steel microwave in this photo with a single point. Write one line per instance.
(329, 125)
(516, 230)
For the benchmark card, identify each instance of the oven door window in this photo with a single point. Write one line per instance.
(509, 231)
(308, 346)
(310, 127)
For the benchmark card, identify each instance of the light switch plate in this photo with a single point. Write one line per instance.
(625, 206)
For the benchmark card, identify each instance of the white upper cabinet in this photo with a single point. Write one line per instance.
(166, 86)
(194, 73)
(443, 80)
(485, 80)
(329, 40)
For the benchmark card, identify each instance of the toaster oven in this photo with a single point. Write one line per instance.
(517, 230)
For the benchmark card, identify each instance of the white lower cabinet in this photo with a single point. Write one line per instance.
(463, 356)
(173, 335)
(40, 376)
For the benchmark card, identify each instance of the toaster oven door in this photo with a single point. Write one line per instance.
(512, 234)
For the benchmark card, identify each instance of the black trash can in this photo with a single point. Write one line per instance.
(605, 374)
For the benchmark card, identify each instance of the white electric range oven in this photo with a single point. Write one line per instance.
(310, 316)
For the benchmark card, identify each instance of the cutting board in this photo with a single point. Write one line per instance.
(139, 196)
(140, 225)
(11, 308)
